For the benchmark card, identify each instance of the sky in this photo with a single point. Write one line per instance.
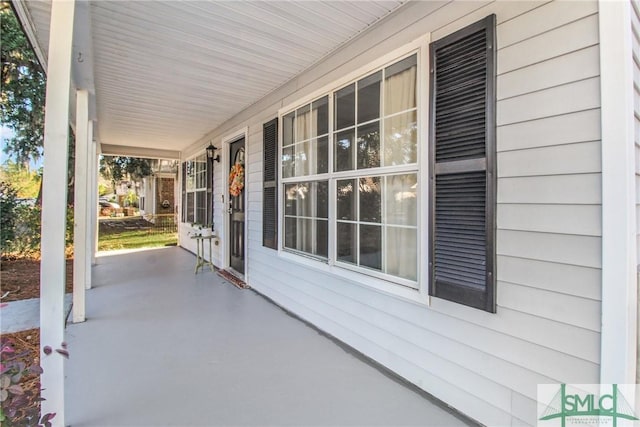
(6, 133)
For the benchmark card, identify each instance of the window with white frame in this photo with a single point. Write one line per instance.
(196, 190)
(350, 168)
(350, 177)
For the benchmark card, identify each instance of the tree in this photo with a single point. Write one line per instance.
(117, 168)
(8, 205)
(26, 182)
(23, 90)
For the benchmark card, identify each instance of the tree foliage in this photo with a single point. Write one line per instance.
(117, 168)
(8, 205)
(25, 181)
(23, 90)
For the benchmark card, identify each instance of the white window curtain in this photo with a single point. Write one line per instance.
(400, 194)
(400, 137)
(306, 128)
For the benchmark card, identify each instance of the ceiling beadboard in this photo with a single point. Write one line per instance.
(168, 72)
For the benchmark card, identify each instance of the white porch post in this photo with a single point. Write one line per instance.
(92, 199)
(619, 277)
(80, 206)
(54, 189)
(96, 209)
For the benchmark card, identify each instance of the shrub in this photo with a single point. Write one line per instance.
(131, 199)
(8, 204)
(26, 231)
(16, 402)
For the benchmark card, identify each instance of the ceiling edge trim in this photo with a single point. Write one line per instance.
(141, 152)
(26, 21)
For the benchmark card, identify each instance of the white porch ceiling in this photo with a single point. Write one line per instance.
(166, 73)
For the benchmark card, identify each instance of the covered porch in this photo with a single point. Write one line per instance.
(282, 83)
(158, 80)
(163, 346)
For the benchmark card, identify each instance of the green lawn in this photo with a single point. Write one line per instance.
(134, 239)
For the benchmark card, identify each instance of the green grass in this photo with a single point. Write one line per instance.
(135, 239)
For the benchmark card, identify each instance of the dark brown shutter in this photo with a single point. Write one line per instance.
(462, 147)
(270, 185)
(209, 211)
(184, 191)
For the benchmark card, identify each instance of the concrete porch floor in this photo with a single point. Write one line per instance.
(162, 346)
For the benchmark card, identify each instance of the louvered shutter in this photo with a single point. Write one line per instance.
(184, 191)
(462, 147)
(209, 193)
(269, 191)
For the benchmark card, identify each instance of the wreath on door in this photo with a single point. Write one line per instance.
(236, 176)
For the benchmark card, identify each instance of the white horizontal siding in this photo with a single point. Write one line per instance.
(575, 96)
(584, 251)
(525, 406)
(583, 220)
(556, 160)
(581, 126)
(570, 309)
(583, 189)
(555, 15)
(578, 65)
(547, 327)
(550, 44)
(552, 276)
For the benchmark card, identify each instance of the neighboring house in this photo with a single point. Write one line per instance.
(159, 192)
(451, 193)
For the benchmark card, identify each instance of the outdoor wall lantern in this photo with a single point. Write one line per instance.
(210, 151)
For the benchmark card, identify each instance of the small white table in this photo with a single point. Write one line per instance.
(201, 261)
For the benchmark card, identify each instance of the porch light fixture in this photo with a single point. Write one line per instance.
(210, 151)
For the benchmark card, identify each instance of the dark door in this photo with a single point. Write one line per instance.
(236, 206)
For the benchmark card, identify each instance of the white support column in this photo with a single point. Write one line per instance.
(80, 206)
(619, 281)
(92, 199)
(54, 206)
(96, 209)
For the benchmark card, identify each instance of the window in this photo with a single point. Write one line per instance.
(196, 191)
(351, 172)
(377, 223)
(351, 177)
(306, 217)
(305, 167)
(370, 106)
(462, 147)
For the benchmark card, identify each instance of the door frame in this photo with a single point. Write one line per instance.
(226, 164)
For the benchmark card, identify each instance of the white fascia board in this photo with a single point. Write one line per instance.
(24, 16)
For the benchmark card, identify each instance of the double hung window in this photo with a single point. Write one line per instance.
(196, 190)
(350, 174)
(375, 159)
(305, 170)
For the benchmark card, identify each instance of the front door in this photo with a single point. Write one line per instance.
(236, 206)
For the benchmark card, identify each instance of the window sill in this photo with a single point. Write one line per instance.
(386, 287)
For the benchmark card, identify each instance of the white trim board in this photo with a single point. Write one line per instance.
(619, 280)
